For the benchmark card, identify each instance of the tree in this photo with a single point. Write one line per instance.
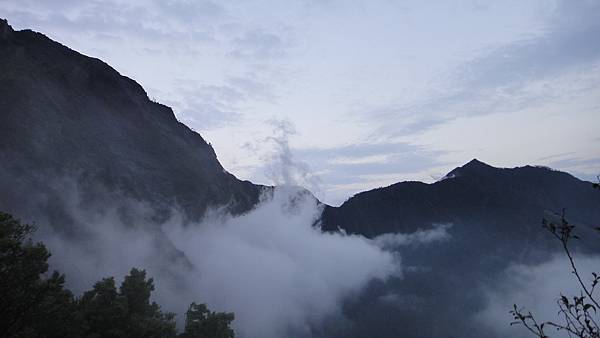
(127, 312)
(144, 318)
(200, 322)
(580, 313)
(31, 304)
(103, 311)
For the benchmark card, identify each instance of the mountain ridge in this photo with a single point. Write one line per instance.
(473, 183)
(65, 114)
(491, 219)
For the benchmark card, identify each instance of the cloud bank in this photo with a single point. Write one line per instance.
(279, 274)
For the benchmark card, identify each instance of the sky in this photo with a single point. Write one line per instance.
(357, 94)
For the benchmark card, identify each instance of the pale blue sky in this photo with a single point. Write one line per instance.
(370, 92)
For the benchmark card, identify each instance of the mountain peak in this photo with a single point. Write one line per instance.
(475, 163)
(5, 29)
(472, 167)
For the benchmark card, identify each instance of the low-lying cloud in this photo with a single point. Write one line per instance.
(535, 288)
(390, 241)
(279, 274)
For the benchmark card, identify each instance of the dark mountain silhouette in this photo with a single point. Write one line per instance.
(496, 216)
(63, 114)
(512, 198)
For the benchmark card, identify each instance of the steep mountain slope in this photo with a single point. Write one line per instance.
(63, 114)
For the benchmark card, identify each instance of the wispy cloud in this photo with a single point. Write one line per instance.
(501, 79)
(347, 170)
(391, 241)
(259, 45)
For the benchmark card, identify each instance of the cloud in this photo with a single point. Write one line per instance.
(332, 174)
(191, 11)
(500, 78)
(391, 241)
(275, 258)
(208, 106)
(517, 89)
(585, 168)
(349, 169)
(133, 21)
(535, 288)
(259, 45)
(173, 27)
(279, 274)
(374, 159)
(564, 45)
(278, 164)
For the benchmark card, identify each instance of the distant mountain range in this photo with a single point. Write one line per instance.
(63, 114)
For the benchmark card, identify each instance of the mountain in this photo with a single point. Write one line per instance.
(475, 192)
(64, 114)
(492, 217)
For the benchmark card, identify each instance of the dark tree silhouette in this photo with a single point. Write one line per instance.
(102, 310)
(31, 303)
(200, 322)
(127, 312)
(144, 318)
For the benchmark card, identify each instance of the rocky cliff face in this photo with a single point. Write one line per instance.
(63, 114)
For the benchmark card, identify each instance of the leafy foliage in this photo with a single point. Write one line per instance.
(127, 312)
(200, 322)
(33, 304)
